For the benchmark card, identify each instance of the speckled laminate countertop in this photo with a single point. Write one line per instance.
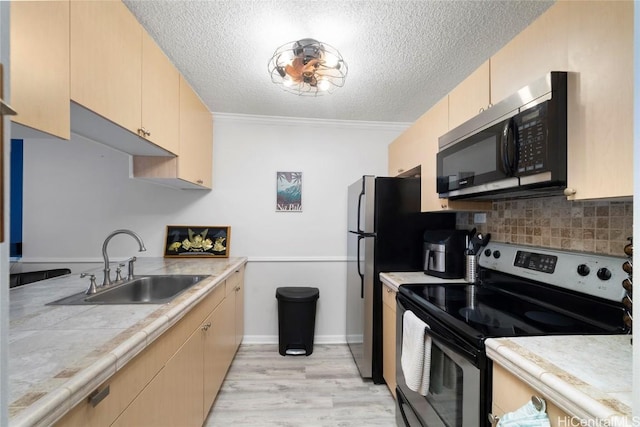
(589, 377)
(393, 280)
(60, 354)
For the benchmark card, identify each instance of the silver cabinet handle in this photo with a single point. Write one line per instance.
(493, 419)
(98, 396)
(538, 403)
(206, 326)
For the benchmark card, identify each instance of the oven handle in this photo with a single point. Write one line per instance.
(446, 342)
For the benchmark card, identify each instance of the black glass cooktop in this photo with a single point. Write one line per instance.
(483, 311)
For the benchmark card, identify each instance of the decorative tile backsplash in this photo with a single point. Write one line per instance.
(554, 222)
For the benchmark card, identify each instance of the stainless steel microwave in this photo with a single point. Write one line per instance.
(517, 148)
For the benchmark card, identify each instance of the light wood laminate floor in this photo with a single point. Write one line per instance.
(324, 389)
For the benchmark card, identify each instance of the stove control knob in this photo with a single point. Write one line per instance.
(584, 270)
(487, 252)
(604, 274)
(496, 254)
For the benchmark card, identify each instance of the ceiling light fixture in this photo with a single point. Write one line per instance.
(308, 68)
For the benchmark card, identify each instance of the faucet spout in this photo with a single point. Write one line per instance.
(107, 277)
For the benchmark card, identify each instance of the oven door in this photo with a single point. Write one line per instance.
(454, 393)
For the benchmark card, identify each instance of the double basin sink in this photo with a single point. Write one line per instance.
(150, 289)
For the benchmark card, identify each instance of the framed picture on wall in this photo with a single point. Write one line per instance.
(197, 241)
(288, 191)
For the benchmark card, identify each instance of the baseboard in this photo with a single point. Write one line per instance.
(273, 339)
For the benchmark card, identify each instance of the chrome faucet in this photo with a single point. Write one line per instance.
(107, 277)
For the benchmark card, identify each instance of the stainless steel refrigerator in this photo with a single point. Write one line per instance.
(385, 229)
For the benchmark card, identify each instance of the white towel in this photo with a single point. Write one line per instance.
(416, 353)
(526, 416)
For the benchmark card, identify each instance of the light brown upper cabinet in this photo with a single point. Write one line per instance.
(119, 73)
(193, 168)
(470, 97)
(39, 64)
(600, 150)
(196, 138)
(160, 96)
(106, 61)
(405, 152)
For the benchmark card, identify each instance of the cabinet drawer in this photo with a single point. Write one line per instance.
(234, 280)
(389, 297)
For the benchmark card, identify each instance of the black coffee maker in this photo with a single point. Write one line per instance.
(443, 253)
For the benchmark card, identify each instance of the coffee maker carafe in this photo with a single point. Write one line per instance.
(444, 253)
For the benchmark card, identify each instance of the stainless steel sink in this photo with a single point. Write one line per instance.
(153, 289)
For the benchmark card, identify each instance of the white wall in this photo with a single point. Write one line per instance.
(76, 192)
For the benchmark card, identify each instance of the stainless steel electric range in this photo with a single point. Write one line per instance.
(521, 291)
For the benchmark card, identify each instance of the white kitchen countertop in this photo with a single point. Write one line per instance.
(589, 377)
(393, 280)
(59, 354)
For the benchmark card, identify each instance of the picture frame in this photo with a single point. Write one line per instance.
(197, 241)
(288, 191)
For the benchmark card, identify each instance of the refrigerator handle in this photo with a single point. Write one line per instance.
(360, 272)
(360, 206)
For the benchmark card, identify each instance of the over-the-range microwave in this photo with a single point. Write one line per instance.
(517, 148)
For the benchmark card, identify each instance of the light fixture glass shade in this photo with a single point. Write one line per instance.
(308, 68)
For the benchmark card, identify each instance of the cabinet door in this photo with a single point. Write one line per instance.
(40, 66)
(470, 97)
(106, 61)
(219, 349)
(174, 396)
(195, 160)
(389, 338)
(403, 152)
(239, 313)
(600, 150)
(538, 49)
(510, 393)
(160, 96)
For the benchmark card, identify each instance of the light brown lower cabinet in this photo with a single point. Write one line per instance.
(510, 393)
(176, 379)
(389, 337)
(174, 396)
(219, 349)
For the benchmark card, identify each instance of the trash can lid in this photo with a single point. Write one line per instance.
(297, 294)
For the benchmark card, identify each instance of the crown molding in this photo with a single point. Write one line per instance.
(297, 121)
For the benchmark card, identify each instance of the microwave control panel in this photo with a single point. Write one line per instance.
(532, 140)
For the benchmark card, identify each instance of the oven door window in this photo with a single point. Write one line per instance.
(453, 399)
(446, 387)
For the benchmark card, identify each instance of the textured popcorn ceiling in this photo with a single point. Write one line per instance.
(403, 56)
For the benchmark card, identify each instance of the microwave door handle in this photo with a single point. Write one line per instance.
(509, 145)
